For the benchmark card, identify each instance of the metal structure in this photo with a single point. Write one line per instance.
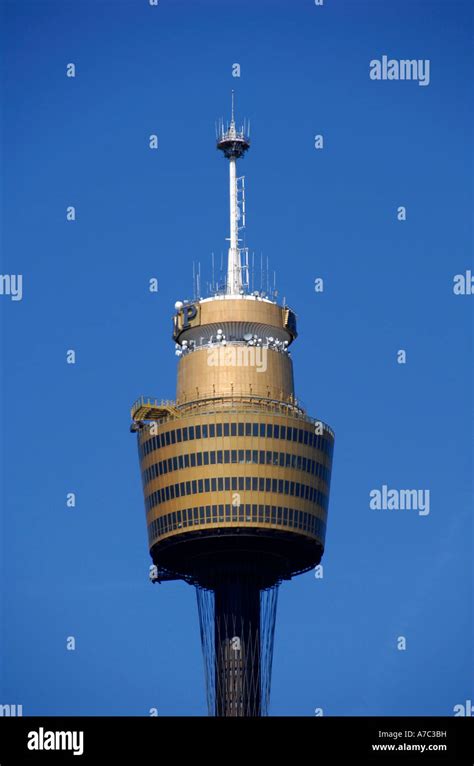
(236, 474)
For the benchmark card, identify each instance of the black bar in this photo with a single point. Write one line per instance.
(322, 740)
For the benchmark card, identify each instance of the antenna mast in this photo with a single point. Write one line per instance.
(234, 143)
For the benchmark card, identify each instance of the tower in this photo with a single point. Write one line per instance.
(235, 473)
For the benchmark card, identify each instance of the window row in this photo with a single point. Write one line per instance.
(260, 514)
(266, 430)
(259, 457)
(236, 484)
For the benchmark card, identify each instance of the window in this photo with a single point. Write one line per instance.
(204, 431)
(241, 456)
(219, 456)
(213, 485)
(241, 429)
(173, 437)
(198, 432)
(167, 437)
(262, 429)
(219, 429)
(175, 464)
(193, 459)
(200, 485)
(220, 484)
(226, 429)
(186, 461)
(234, 483)
(199, 458)
(227, 483)
(191, 432)
(226, 456)
(212, 430)
(248, 429)
(206, 458)
(185, 434)
(178, 434)
(233, 429)
(254, 429)
(213, 458)
(206, 485)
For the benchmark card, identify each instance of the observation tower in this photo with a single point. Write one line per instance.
(235, 473)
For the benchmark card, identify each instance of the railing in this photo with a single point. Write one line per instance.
(235, 402)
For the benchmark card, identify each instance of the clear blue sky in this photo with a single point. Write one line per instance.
(82, 572)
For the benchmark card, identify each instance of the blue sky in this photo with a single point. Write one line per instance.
(330, 213)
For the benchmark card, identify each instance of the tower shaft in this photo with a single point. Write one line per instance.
(237, 647)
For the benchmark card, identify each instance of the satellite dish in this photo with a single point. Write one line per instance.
(248, 336)
(178, 305)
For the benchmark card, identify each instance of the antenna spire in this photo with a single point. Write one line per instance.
(233, 143)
